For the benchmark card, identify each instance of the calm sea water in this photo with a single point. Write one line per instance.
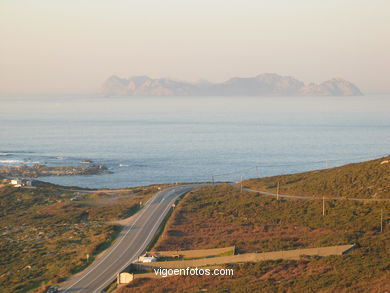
(150, 140)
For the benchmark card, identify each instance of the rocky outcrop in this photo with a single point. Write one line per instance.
(115, 86)
(145, 86)
(267, 84)
(43, 170)
(333, 87)
(264, 84)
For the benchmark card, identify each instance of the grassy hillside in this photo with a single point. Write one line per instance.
(348, 273)
(220, 216)
(361, 180)
(45, 236)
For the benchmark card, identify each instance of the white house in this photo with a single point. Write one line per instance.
(16, 182)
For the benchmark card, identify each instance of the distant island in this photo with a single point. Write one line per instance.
(267, 84)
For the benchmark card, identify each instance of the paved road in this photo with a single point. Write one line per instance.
(130, 244)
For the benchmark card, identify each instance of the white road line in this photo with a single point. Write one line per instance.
(116, 244)
(129, 245)
(133, 239)
(113, 248)
(142, 246)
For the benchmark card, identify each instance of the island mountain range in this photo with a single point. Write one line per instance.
(267, 84)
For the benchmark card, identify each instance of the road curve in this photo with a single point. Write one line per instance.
(131, 242)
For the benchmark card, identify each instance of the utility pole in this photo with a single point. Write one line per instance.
(381, 220)
(323, 205)
(212, 179)
(241, 184)
(277, 191)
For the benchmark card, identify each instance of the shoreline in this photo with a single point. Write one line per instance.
(38, 170)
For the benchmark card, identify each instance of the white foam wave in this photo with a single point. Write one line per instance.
(18, 162)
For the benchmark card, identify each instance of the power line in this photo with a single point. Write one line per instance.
(257, 166)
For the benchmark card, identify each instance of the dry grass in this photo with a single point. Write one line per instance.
(45, 236)
(360, 180)
(219, 216)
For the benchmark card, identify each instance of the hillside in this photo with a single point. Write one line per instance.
(46, 236)
(267, 84)
(359, 180)
(221, 216)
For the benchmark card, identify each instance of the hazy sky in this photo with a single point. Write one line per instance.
(71, 46)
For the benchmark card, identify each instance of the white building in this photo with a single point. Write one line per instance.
(16, 182)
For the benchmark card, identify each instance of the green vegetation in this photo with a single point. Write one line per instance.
(365, 269)
(219, 216)
(45, 236)
(361, 180)
(98, 249)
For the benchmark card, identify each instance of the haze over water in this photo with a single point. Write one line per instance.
(149, 140)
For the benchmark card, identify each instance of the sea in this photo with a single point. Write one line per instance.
(149, 140)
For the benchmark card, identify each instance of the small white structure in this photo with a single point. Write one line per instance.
(144, 258)
(76, 198)
(124, 278)
(16, 182)
(30, 182)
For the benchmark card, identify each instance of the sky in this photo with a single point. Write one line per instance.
(72, 46)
